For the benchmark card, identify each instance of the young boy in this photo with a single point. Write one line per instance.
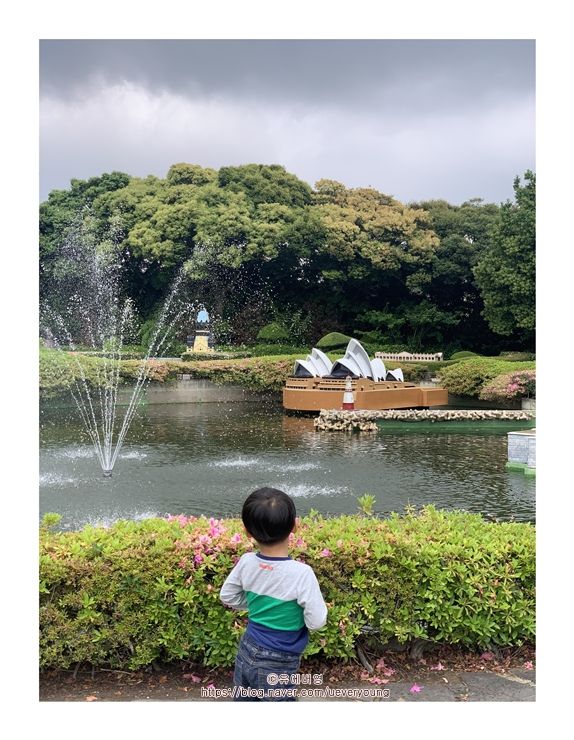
(282, 596)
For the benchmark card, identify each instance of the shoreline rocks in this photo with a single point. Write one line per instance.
(365, 421)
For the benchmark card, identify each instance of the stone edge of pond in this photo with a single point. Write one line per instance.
(330, 420)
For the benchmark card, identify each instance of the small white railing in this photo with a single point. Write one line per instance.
(406, 356)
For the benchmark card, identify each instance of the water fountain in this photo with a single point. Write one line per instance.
(86, 305)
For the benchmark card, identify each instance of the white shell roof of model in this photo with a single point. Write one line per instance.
(321, 361)
(351, 364)
(379, 369)
(309, 366)
(356, 351)
(356, 360)
(398, 373)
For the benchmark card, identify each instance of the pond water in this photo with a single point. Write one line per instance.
(205, 458)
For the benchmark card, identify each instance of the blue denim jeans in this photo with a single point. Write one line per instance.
(260, 670)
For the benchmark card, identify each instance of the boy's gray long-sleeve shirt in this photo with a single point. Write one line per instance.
(282, 596)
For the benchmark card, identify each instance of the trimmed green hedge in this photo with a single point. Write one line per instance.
(468, 377)
(273, 332)
(463, 354)
(190, 356)
(265, 350)
(334, 340)
(255, 373)
(142, 591)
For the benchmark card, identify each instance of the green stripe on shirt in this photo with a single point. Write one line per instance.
(274, 613)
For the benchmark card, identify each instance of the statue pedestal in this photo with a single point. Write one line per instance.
(200, 344)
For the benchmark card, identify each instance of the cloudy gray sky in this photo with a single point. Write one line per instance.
(414, 119)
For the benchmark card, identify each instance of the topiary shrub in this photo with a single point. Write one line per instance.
(139, 592)
(273, 333)
(461, 355)
(334, 340)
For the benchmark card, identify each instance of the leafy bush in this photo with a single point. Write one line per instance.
(416, 371)
(190, 356)
(273, 332)
(467, 377)
(517, 356)
(509, 386)
(149, 590)
(256, 373)
(59, 370)
(462, 355)
(261, 350)
(334, 340)
(172, 346)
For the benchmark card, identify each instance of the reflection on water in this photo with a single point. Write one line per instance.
(205, 458)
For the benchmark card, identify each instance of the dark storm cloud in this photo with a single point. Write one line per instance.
(418, 119)
(458, 72)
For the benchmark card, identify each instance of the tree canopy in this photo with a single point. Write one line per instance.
(261, 245)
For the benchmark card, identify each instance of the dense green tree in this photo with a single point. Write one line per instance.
(260, 245)
(452, 288)
(266, 184)
(505, 271)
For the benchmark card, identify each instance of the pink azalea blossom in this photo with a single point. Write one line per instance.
(377, 680)
(438, 667)
(210, 686)
(415, 688)
(325, 553)
(299, 542)
(198, 558)
(192, 677)
(236, 537)
(388, 671)
(529, 665)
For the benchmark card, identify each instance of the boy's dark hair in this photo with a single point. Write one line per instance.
(268, 515)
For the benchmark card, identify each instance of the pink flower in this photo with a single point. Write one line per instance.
(325, 553)
(438, 667)
(380, 664)
(377, 680)
(210, 686)
(388, 671)
(487, 655)
(415, 688)
(299, 542)
(529, 665)
(236, 537)
(198, 558)
(192, 677)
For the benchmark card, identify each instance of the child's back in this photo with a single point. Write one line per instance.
(282, 596)
(283, 599)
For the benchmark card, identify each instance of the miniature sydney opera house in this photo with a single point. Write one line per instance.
(318, 383)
